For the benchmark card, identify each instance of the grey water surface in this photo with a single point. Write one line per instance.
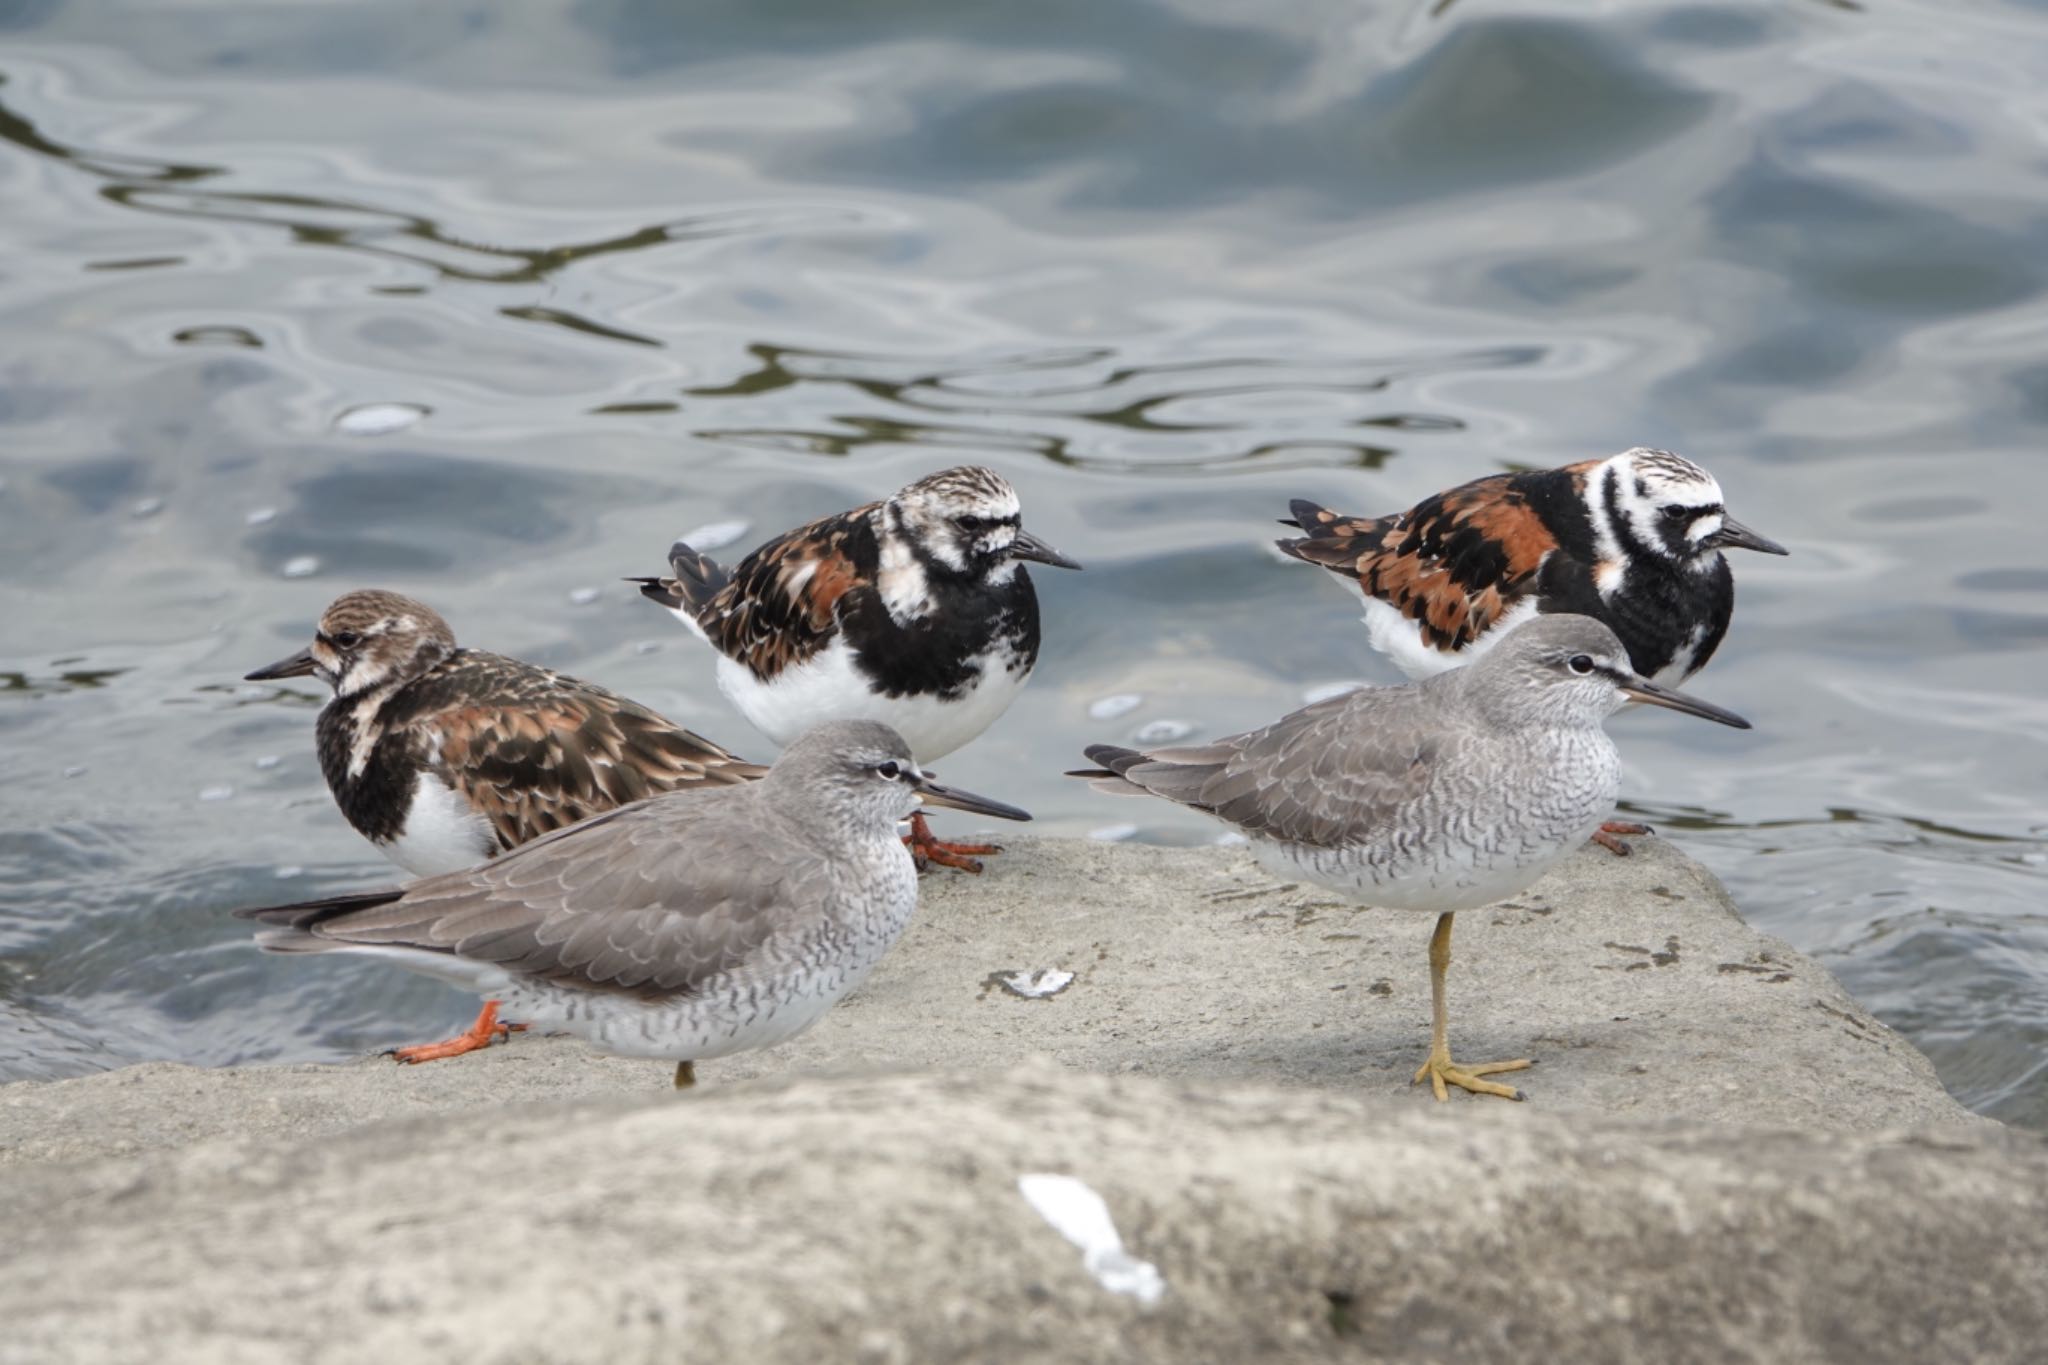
(490, 302)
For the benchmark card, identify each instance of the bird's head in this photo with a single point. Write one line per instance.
(1663, 504)
(365, 640)
(967, 522)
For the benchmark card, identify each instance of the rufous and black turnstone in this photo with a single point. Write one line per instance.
(689, 926)
(1633, 541)
(444, 757)
(1444, 795)
(914, 611)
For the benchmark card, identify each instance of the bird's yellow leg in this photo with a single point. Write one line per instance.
(1440, 1069)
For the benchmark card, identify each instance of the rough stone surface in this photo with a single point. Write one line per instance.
(1722, 1157)
(878, 1219)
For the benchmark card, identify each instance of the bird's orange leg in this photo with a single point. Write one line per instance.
(1608, 835)
(928, 850)
(479, 1035)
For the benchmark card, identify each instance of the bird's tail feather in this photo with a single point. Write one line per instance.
(292, 925)
(1177, 774)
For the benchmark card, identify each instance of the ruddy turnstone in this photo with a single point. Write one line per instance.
(915, 611)
(1633, 541)
(688, 926)
(443, 757)
(1442, 795)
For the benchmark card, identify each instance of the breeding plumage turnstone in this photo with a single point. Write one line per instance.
(687, 926)
(915, 611)
(443, 757)
(1633, 541)
(1441, 795)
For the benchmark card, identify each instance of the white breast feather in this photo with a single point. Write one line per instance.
(442, 833)
(1400, 638)
(829, 687)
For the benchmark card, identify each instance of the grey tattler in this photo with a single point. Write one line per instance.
(1443, 795)
(688, 926)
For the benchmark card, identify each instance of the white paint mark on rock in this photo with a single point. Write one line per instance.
(1113, 834)
(303, 566)
(259, 515)
(216, 793)
(378, 419)
(583, 597)
(146, 507)
(1161, 732)
(1229, 838)
(1114, 705)
(1079, 1214)
(267, 761)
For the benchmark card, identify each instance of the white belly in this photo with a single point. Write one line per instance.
(1436, 887)
(1400, 639)
(442, 833)
(829, 687)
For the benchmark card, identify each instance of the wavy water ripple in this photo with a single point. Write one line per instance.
(490, 307)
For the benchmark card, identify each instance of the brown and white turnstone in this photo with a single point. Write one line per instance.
(914, 611)
(444, 757)
(1447, 794)
(1633, 541)
(688, 926)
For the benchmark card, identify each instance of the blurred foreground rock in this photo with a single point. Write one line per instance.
(1722, 1157)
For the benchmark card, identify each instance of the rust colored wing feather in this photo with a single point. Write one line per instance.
(540, 751)
(1455, 563)
(784, 601)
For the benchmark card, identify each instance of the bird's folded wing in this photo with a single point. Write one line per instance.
(1454, 564)
(629, 902)
(1326, 776)
(782, 604)
(539, 752)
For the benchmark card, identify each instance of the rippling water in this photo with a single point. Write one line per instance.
(488, 303)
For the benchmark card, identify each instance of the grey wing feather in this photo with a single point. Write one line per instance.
(1338, 772)
(643, 903)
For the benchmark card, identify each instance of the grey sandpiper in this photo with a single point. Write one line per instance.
(1444, 795)
(688, 926)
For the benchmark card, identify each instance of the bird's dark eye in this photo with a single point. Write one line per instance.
(970, 524)
(1581, 664)
(345, 639)
(1676, 512)
(891, 770)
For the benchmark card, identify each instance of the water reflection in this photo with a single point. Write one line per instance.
(491, 309)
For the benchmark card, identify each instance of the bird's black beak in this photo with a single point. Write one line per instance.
(1733, 535)
(1642, 689)
(1028, 546)
(932, 794)
(293, 666)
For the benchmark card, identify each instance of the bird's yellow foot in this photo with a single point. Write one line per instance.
(1608, 836)
(481, 1034)
(1442, 1071)
(928, 850)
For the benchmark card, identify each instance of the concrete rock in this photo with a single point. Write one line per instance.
(1714, 1164)
(879, 1219)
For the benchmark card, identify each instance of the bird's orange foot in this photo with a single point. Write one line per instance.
(481, 1034)
(928, 850)
(1608, 836)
